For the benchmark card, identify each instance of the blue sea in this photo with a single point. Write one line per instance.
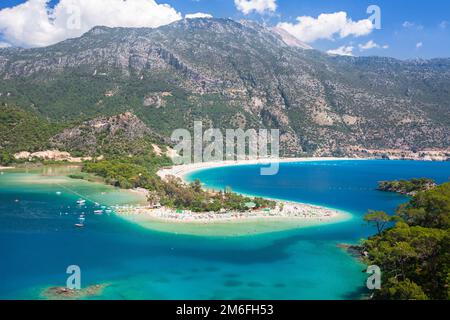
(38, 239)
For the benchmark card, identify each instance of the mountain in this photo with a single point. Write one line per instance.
(234, 74)
(21, 130)
(123, 134)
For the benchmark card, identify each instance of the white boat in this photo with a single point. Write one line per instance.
(99, 212)
(79, 225)
(58, 193)
(108, 211)
(81, 202)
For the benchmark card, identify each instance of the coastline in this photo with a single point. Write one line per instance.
(181, 171)
(287, 214)
(232, 224)
(294, 215)
(6, 168)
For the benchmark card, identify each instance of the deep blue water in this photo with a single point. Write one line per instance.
(345, 185)
(38, 239)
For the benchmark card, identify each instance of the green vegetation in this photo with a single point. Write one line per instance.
(130, 161)
(140, 172)
(175, 194)
(379, 219)
(6, 158)
(130, 172)
(414, 254)
(407, 187)
(21, 130)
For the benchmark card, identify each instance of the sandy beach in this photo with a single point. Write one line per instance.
(182, 171)
(286, 215)
(6, 168)
(284, 209)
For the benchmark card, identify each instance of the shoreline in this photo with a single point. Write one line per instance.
(286, 215)
(294, 215)
(6, 168)
(232, 224)
(283, 210)
(181, 171)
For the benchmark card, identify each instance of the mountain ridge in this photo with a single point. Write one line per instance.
(229, 75)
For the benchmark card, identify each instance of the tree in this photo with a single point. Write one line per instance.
(6, 158)
(429, 209)
(153, 198)
(196, 186)
(379, 219)
(402, 290)
(414, 255)
(400, 254)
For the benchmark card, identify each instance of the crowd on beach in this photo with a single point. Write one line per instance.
(282, 210)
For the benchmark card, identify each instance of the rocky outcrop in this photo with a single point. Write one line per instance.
(49, 155)
(63, 293)
(123, 133)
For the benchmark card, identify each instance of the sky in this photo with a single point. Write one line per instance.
(404, 29)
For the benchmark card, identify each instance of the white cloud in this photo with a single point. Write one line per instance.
(419, 45)
(443, 24)
(371, 45)
(259, 6)
(407, 24)
(34, 24)
(412, 25)
(4, 45)
(342, 51)
(198, 15)
(327, 26)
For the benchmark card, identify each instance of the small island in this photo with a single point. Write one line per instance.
(407, 187)
(63, 293)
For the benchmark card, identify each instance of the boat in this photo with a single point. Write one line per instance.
(58, 193)
(79, 225)
(99, 212)
(81, 202)
(108, 211)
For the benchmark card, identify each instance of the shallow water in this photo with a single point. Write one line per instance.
(38, 239)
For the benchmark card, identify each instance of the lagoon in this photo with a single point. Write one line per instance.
(38, 239)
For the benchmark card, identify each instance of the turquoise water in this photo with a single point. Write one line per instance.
(38, 239)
